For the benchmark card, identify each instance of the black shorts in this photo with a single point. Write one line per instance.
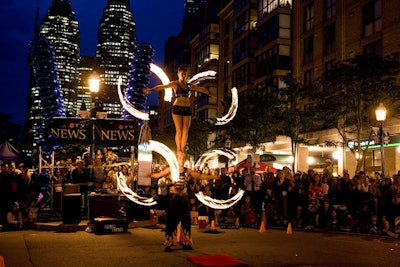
(182, 111)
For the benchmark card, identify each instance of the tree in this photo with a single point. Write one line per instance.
(166, 137)
(254, 122)
(347, 96)
(293, 120)
(198, 136)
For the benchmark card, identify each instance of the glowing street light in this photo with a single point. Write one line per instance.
(94, 82)
(381, 113)
(94, 87)
(381, 117)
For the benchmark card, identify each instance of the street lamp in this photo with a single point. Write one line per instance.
(94, 87)
(94, 82)
(381, 117)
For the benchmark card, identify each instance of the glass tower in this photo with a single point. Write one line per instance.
(61, 28)
(115, 46)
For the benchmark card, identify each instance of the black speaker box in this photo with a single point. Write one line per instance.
(71, 208)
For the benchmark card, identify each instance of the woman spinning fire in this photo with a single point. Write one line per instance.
(181, 111)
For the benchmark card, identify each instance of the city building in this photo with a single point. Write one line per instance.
(115, 46)
(85, 98)
(253, 43)
(61, 28)
(191, 7)
(331, 31)
(116, 41)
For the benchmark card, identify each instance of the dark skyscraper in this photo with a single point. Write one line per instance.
(192, 6)
(115, 45)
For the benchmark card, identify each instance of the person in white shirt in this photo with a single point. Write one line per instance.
(252, 182)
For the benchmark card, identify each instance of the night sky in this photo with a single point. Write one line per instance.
(156, 20)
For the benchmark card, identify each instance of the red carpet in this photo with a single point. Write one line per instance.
(219, 260)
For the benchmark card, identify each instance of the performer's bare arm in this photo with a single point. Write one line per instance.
(160, 174)
(160, 87)
(201, 89)
(202, 176)
(193, 173)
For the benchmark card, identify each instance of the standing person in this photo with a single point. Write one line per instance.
(181, 112)
(162, 191)
(178, 208)
(5, 192)
(281, 188)
(87, 156)
(252, 181)
(98, 174)
(238, 180)
(111, 157)
(223, 187)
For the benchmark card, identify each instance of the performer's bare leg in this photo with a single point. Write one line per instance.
(185, 133)
(179, 124)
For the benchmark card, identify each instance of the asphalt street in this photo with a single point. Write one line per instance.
(144, 247)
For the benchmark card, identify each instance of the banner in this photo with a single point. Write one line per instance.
(109, 132)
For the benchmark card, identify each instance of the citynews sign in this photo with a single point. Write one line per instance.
(110, 132)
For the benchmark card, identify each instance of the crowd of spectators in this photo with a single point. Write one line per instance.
(23, 191)
(307, 200)
(311, 201)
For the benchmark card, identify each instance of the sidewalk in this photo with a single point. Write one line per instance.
(143, 246)
(59, 226)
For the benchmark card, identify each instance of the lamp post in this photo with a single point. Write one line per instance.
(380, 113)
(94, 87)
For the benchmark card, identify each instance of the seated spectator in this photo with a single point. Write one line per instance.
(231, 216)
(325, 216)
(248, 213)
(373, 227)
(384, 227)
(108, 184)
(396, 227)
(361, 219)
(14, 218)
(315, 190)
(312, 209)
(32, 217)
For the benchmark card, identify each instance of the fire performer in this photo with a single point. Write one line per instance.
(178, 208)
(181, 112)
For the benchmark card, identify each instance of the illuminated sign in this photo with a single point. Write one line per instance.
(105, 131)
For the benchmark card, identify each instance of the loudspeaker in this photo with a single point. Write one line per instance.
(71, 208)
